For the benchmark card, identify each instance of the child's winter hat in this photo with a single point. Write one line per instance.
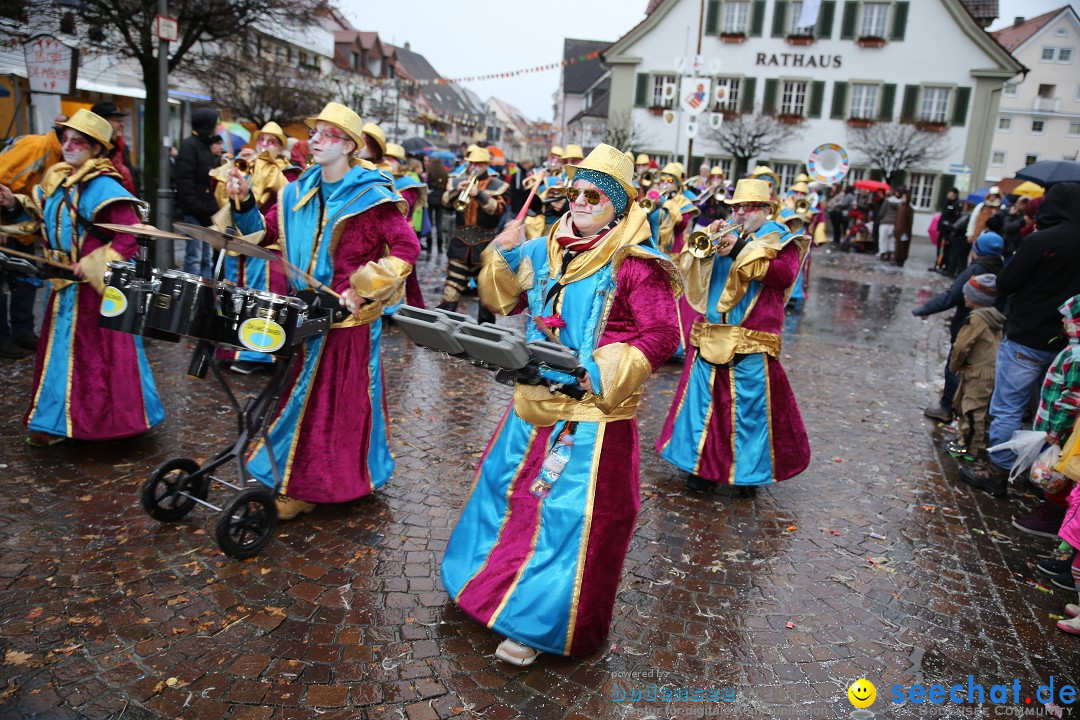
(1070, 309)
(981, 289)
(989, 243)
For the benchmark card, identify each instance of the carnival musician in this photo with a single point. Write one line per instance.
(764, 172)
(552, 188)
(479, 200)
(601, 290)
(678, 206)
(734, 419)
(90, 383)
(711, 201)
(343, 223)
(415, 192)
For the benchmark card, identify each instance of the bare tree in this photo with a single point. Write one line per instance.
(625, 134)
(127, 29)
(893, 148)
(749, 136)
(260, 90)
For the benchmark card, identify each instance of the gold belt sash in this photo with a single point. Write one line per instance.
(719, 344)
(539, 406)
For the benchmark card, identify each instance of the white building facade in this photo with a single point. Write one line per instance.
(863, 62)
(1039, 117)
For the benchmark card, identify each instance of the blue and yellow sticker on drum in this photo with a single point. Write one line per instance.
(113, 302)
(261, 335)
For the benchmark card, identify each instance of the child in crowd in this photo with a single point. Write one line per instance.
(973, 360)
(1070, 535)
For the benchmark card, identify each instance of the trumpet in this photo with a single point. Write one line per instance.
(242, 165)
(536, 177)
(647, 179)
(463, 197)
(706, 196)
(702, 245)
(801, 206)
(647, 204)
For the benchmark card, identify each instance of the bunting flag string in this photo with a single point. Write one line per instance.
(491, 76)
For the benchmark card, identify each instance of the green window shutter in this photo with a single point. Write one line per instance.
(851, 15)
(888, 100)
(747, 90)
(712, 17)
(911, 99)
(899, 177)
(825, 19)
(946, 182)
(768, 103)
(642, 89)
(899, 25)
(876, 174)
(817, 98)
(839, 100)
(779, 19)
(757, 18)
(960, 106)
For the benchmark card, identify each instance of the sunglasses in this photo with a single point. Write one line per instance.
(593, 197)
(325, 135)
(750, 207)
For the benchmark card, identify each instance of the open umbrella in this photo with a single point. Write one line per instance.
(871, 185)
(1051, 172)
(445, 155)
(234, 135)
(417, 146)
(1028, 189)
(497, 157)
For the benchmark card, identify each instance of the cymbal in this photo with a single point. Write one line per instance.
(221, 241)
(141, 229)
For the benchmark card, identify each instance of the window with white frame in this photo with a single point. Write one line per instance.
(793, 99)
(1074, 129)
(793, 25)
(1048, 54)
(1065, 55)
(922, 190)
(661, 160)
(1004, 124)
(786, 172)
(1038, 127)
(731, 94)
(723, 163)
(1077, 98)
(855, 174)
(935, 104)
(875, 18)
(1030, 159)
(997, 158)
(1009, 90)
(863, 101)
(736, 17)
(658, 83)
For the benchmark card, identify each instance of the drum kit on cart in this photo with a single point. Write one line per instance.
(166, 304)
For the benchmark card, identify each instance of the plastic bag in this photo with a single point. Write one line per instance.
(1069, 464)
(1043, 473)
(1027, 444)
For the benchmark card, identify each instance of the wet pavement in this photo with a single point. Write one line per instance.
(876, 562)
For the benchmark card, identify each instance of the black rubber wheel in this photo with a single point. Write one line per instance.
(246, 523)
(160, 496)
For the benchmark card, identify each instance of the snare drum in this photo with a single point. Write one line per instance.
(184, 304)
(267, 322)
(123, 303)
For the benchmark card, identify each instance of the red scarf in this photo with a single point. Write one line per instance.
(573, 240)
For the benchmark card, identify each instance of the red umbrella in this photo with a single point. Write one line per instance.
(871, 185)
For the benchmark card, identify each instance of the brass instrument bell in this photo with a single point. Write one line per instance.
(802, 206)
(242, 165)
(462, 200)
(647, 179)
(647, 204)
(702, 245)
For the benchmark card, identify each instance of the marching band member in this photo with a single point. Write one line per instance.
(572, 155)
(90, 383)
(764, 172)
(541, 564)
(344, 223)
(680, 209)
(479, 200)
(374, 144)
(641, 164)
(552, 187)
(699, 182)
(415, 192)
(734, 419)
(710, 202)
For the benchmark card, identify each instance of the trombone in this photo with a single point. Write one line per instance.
(462, 200)
(706, 196)
(702, 245)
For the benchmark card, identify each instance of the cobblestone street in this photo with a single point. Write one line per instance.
(877, 562)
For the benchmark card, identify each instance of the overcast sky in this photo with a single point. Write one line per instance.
(462, 38)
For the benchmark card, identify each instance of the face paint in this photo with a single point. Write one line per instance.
(329, 144)
(590, 219)
(75, 148)
(268, 143)
(751, 215)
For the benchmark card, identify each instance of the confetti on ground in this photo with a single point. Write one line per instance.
(877, 536)
(1054, 616)
(789, 624)
(929, 508)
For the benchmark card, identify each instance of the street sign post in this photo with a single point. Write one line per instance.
(51, 66)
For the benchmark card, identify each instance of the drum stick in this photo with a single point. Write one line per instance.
(532, 193)
(35, 258)
(310, 279)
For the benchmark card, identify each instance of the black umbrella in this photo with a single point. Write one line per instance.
(1051, 172)
(417, 145)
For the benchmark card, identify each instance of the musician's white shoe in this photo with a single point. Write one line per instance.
(288, 508)
(513, 652)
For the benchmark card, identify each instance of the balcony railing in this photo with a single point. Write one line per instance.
(1047, 104)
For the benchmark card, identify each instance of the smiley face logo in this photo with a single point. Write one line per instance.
(862, 693)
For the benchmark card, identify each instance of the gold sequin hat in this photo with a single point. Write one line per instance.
(272, 128)
(800, 186)
(610, 161)
(395, 151)
(716, 171)
(341, 117)
(748, 190)
(376, 133)
(478, 155)
(556, 151)
(764, 172)
(573, 152)
(91, 125)
(642, 159)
